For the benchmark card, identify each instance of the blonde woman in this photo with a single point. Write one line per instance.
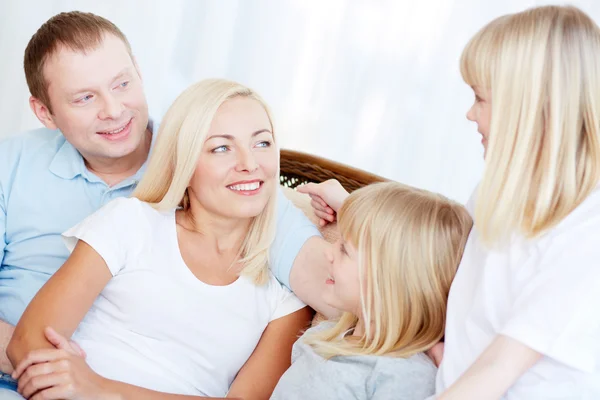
(390, 273)
(523, 319)
(169, 292)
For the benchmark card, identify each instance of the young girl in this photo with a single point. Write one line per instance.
(390, 273)
(523, 319)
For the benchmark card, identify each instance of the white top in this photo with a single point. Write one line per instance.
(157, 326)
(545, 293)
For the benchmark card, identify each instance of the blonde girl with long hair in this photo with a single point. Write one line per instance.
(169, 292)
(390, 274)
(523, 319)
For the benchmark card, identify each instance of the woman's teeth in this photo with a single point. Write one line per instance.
(245, 186)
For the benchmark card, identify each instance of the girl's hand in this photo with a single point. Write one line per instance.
(326, 199)
(58, 374)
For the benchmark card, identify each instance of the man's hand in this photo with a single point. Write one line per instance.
(6, 332)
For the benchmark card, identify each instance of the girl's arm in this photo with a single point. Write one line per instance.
(61, 303)
(494, 372)
(271, 358)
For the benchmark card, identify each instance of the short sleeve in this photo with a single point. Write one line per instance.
(284, 302)
(293, 230)
(556, 314)
(2, 225)
(115, 231)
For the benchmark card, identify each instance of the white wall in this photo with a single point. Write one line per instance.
(374, 84)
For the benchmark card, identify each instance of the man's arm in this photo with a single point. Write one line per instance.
(6, 329)
(309, 273)
(298, 257)
(6, 332)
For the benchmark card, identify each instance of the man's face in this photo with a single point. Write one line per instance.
(97, 100)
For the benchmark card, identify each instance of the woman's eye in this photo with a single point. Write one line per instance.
(264, 143)
(220, 149)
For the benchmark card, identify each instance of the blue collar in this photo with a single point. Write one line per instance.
(68, 163)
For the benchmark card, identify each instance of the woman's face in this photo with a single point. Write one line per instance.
(343, 284)
(236, 173)
(481, 113)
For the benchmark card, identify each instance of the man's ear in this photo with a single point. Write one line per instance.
(42, 112)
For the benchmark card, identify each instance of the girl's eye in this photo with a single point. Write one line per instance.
(124, 84)
(220, 149)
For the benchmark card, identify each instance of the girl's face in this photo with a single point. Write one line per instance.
(344, 283)
(481, 113)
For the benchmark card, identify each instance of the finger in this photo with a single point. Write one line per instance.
(317, 206)
(55, 393)
(318, 199)
(42, 382)
(78, 350)
(326, 216)
(38, 370)
(308, 188)
(57, 340)
(36, 357)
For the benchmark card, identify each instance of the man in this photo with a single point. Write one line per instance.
(87, 91)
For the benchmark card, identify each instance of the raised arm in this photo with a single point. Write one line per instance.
(271, 358)
(494, 372)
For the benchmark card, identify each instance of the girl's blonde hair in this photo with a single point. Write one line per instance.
(542, 68)
(409, 244)
(177, 149)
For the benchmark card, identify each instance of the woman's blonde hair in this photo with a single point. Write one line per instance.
(409, 244)
(542, 68)
(177, 149)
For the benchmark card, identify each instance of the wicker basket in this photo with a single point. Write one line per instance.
(299, 168)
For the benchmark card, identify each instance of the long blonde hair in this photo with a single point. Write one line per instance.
(177, 149)
(409, 245)
(542, 67)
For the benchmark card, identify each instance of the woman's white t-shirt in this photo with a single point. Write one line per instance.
(157, 326)
(544, 293)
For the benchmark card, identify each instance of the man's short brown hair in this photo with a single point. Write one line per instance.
(75, 30)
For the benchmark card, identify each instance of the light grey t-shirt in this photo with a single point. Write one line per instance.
(354, 377)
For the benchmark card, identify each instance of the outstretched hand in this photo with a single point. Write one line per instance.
(326, 199)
